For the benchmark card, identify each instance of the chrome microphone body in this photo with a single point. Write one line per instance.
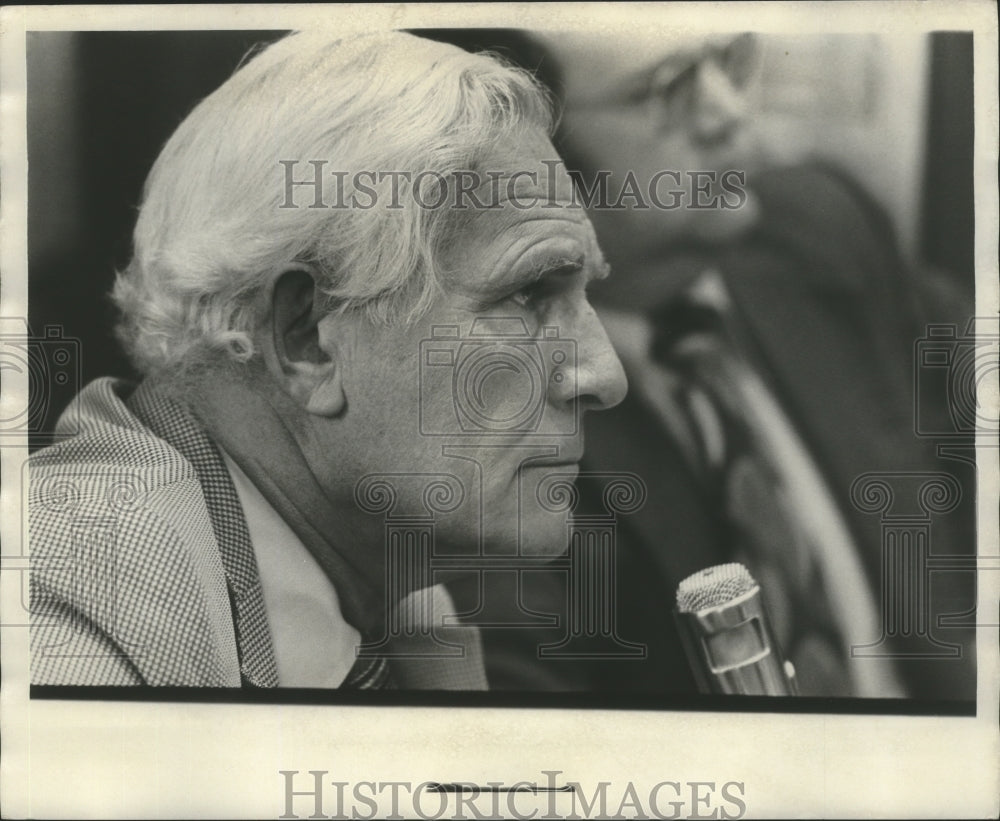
(727, 635)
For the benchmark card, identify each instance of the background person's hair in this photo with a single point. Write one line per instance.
(211, 232)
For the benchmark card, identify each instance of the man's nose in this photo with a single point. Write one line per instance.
(600, 378)
(720, 107)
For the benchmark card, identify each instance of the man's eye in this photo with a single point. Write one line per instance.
(528, 295)
(552, 281)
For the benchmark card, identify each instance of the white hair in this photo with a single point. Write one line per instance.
(211, 233)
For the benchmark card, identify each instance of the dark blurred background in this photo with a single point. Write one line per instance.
(899, 114)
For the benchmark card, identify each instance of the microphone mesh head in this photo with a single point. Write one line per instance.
(714, 586)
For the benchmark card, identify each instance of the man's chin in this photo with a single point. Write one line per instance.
(544, 534)
(539, 533)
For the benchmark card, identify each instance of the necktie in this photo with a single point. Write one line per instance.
(749, 487)
(369, 673)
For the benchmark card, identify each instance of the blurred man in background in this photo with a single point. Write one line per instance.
(768, 337)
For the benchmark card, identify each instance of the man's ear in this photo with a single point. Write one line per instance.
(306, 362)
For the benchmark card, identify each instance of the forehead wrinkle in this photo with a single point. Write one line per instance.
(525, 187)
(510, 254)
(574, 216)
(571, 212)
(566, 227)
(521, 247)
(491, 226)
(543, 195)
(476, 238)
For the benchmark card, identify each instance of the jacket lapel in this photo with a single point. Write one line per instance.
(172, 423)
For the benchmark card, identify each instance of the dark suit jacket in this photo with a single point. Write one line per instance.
(830, 315)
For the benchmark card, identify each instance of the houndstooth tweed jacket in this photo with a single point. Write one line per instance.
(142, 568)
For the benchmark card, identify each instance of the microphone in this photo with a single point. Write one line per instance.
(727, 635)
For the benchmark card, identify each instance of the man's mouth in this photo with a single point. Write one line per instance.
(572, 464)
(569, 459)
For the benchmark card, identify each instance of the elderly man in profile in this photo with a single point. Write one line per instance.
(213, 525)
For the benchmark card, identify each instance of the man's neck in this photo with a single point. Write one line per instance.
(258, 433)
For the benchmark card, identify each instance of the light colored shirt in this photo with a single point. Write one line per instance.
(313, 645)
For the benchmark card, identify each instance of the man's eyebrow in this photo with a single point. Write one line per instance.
(557, 264)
